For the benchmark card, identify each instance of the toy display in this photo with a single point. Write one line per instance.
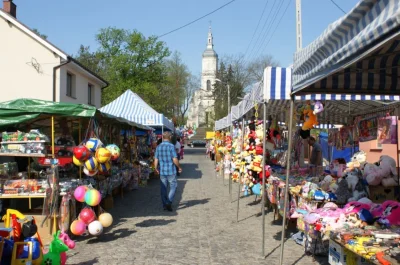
(105, 219)
(28, 143)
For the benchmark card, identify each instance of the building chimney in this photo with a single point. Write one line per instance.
(10, 7)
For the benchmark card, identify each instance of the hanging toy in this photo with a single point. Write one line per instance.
(80, 192)
(106, 219)
(77, 162)
(78, 227)
(105, 167)
(91, 164)
(115, 151)
(312, 119)
(89, 173)
(92, 197)
(95, 228)
(103, 155)
(93, 144)
(87, 215)
(81, 153)
(318, 107)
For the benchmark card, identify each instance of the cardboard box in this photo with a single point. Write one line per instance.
(336, 254)
(379, 194)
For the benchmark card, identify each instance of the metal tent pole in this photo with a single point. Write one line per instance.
(287, 182)
(263, 179)
(240, 174)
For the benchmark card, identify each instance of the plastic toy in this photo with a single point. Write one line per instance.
(80, 192)
(81, 153)
(93, 144)
(89, 173)
(78, 227)
(106, 219)
(103, 155)
(91, 164)
(92, 197)
(87, 215)
(95, 228)
(77, 162)
(115, 151)
(57, 246)
(104, 167)
(67, 241)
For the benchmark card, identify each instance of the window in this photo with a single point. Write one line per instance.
(91, 94)
(71, 85)
(208, 85)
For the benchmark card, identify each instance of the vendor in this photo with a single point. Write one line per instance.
(316, 154)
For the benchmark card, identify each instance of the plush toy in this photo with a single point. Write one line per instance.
(312, 119)
(356, 185)
(357, 159)
(390, 214)
(318, 107)
(343, 192)
(355, 207)
(372, 174)
(325, 183)
(388, 169)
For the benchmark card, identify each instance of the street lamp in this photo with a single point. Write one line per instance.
(230, 127)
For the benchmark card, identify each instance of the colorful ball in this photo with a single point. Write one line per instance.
(115, 151)
(105, 167)
(95, 228)
(79, 193)
(91, 164)
(103, 155)
(78, 227)
(77, 162)
(105, 219)
(87, 215)
(93, 144)
(92, 197)
(89, 173)
(81, 153)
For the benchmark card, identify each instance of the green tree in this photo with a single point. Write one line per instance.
(43, 36)
(128, 60)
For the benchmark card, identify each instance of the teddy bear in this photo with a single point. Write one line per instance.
(356, 160)
(372, 173)
(389, 171)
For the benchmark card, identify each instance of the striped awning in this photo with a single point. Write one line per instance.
(277, 83)
(133, 108)
(357, 54)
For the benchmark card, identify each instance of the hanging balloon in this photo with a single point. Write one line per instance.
(87, 215)
(91, 164)
(115, 151)
(78, 227)
(105, 219)
(103, 155)
(95, 228)
(93, 144)
(89, 173)
(92, 197)
(81, 153)
(77, 162)
(79, 193)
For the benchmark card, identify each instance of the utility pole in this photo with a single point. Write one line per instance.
(286, 198)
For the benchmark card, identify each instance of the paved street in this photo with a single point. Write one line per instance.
(201, 230)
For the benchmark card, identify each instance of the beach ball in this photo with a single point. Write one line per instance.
(105, 219)
(93, 144)
(105, 167)
(103, 155)
(87, 215)
(115, 151)
(89, 173)
(92, 197)
(78, 227)
(81, 153)
(79, 193)
(95, 228)
(77, 162)
(91, 164)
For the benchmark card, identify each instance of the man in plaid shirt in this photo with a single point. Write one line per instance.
(165, 161)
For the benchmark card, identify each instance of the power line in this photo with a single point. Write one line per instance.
(197, 19)
(258, 24)
(344, 12)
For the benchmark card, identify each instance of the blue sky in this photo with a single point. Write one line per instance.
(69, 24)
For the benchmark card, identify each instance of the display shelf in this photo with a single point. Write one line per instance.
(23, 142)
(22, 155)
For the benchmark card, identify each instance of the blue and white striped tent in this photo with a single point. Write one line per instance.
(359, 54)
(133, 108)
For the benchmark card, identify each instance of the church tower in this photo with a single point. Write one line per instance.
(201, 110)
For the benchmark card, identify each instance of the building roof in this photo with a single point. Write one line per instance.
(63, 55)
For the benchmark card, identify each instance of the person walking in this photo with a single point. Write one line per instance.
(316, 155)
(178, 151)
(165, 161)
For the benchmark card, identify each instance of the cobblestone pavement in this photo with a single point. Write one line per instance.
(201, 230)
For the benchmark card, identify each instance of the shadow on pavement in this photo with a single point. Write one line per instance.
(192, 203)
(89, 262)
(154, 222)
(111, 236)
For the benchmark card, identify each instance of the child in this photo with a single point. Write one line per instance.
(181, 152)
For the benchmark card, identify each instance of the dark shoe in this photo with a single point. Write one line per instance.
(169, 207)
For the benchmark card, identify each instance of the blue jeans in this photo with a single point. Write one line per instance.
(173, 183)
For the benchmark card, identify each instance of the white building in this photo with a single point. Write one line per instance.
(32, 67)
(201, 109)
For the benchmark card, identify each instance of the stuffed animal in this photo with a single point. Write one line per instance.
(372, 174)
(388, 168)
(342, 192)
(355, 207)
(312, 119)
(356, 185)
(318, 107)
(390, 214)
(357, 159)
(325, 183)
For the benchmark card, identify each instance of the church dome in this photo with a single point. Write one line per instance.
(209, 53)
